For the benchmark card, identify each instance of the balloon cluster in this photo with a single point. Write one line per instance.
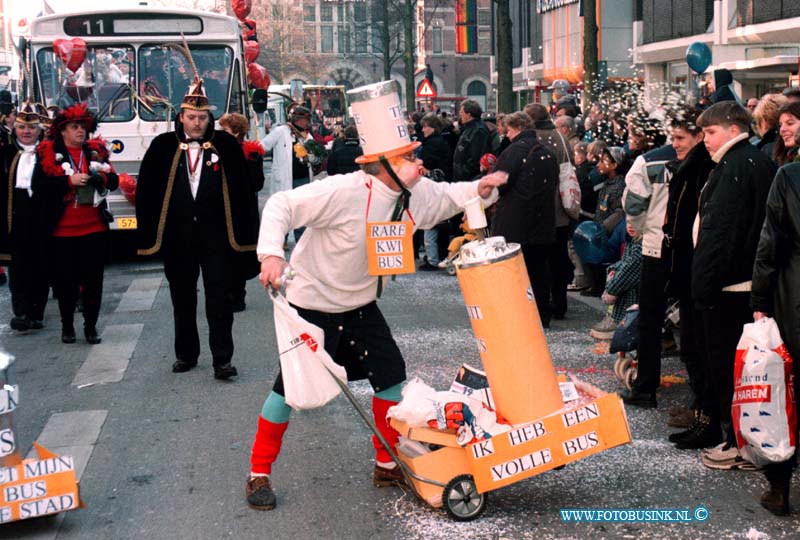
(257, 75)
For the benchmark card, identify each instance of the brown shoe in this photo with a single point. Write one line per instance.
(388, 477)
(259, 493)
(776, 499)
(682, 420)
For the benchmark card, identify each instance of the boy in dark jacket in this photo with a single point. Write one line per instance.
(731, 211)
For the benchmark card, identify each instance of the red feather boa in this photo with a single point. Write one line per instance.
(99, 146)
(253, 150)
(47, 157)
(52, 167)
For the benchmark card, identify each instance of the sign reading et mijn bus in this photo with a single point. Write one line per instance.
(32, 487)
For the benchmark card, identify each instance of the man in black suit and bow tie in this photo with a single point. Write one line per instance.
(192, 207)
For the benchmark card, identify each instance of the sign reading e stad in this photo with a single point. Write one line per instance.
(40, 487)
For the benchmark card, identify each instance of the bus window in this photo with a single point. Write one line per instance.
(235, 105)
(165, 75)
(102, 82)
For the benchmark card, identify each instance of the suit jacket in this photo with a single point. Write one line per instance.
(9, 156)
(166, 213)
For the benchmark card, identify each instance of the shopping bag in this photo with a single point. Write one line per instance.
(569, 190)
(763, 411)
(306, 367)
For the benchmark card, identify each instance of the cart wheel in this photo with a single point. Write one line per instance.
(624, 367)
(462, 500)
(630, 375)
(451, 269)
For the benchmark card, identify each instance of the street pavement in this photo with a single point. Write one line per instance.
(165, 456)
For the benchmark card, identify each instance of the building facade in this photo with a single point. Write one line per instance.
(758, 40)
(342, 42)
(547, 44)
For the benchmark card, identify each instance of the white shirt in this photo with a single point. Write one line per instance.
(27, 160)
(330, 260)
(194, 152)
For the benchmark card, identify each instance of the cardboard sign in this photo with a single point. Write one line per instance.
(593, 424)
(573, 433)
(37, 488)
(390, 248)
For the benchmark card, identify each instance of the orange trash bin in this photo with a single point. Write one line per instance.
(508, 330)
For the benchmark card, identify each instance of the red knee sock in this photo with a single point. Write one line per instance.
(266, 446)
(379, 410)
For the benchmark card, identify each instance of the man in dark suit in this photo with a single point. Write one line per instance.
(192, 207)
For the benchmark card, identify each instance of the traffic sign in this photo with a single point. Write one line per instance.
(426, 90)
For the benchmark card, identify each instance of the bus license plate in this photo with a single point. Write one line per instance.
(126, 223)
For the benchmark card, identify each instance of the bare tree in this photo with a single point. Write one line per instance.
(504, 56)
(590, 61)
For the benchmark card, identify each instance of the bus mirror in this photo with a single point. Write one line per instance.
(259, 100)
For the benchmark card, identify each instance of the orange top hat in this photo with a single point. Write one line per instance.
(379, 118)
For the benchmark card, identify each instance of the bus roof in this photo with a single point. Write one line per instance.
(214, 25)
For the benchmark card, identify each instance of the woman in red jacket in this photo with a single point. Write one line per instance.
(70, 182)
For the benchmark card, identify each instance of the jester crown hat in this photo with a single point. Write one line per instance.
(27, 114)
(76, 113)
(196, 98)
(45, 116)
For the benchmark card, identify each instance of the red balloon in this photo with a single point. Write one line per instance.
(72, 52)
(241, 8)
(259, 78)
(251, 50)
(249, 30)
(127, 184)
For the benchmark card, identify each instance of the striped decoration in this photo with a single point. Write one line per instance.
(466, 26)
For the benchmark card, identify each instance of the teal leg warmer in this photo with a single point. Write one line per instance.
(275, 409)
(391, 394)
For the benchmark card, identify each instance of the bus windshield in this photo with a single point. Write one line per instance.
(102, 82)
(165, 75)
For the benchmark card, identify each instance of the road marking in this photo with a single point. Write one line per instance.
(66, 434)
(140, 295)
(108, 360)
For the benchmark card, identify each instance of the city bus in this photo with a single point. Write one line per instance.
(133, 79)
(328, 102)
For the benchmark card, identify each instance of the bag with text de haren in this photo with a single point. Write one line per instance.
(307, 369)
(764, 411)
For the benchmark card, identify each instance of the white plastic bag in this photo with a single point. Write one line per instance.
(568, 187)
(306, 381)
(763, 411)
(422, 405)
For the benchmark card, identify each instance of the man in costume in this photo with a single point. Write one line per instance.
(193, 207)
(20, 236)
(334, 287)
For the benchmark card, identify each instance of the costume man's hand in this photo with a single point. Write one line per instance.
(272, 271)
(491, 181)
